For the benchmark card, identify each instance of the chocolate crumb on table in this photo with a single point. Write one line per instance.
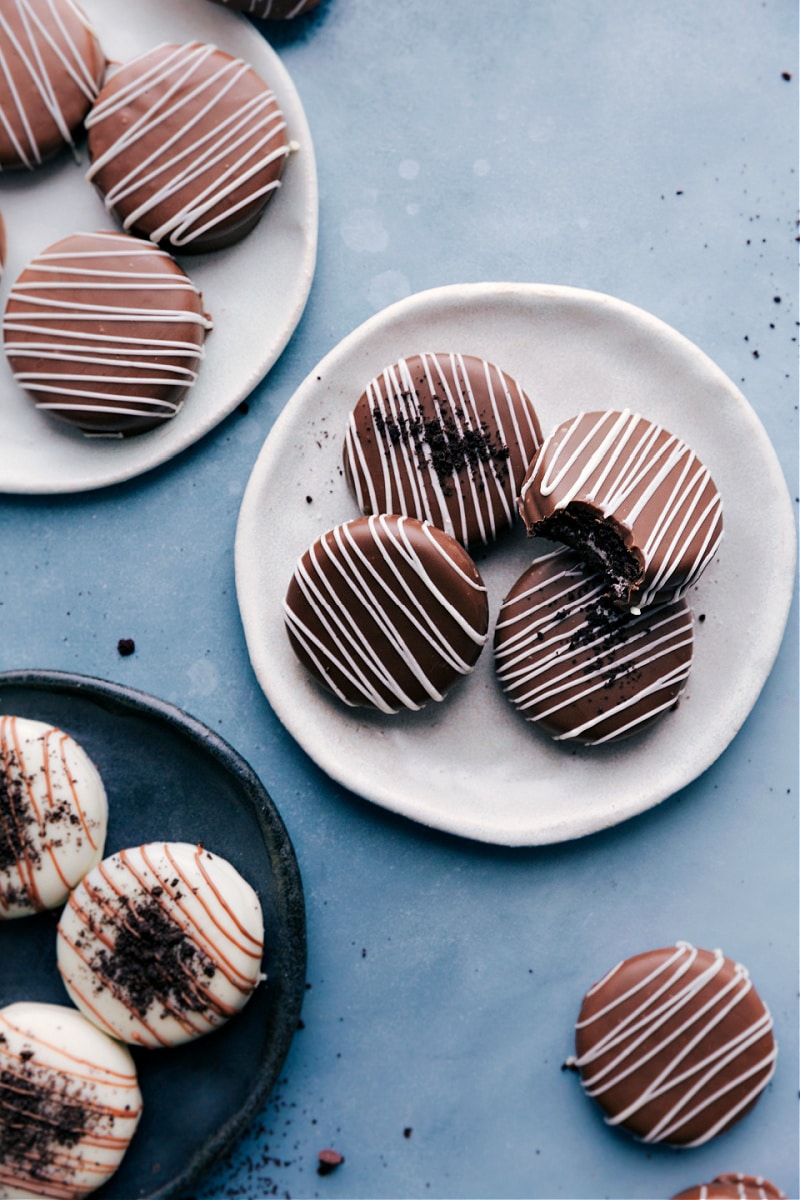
(328, 1160)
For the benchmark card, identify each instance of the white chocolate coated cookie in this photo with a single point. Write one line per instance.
(161, 943)
(69, 1103)
(53, 814)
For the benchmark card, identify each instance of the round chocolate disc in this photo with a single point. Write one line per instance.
(446, 438)
(631, 498)
(733, 1186)
(187, 146)
(579, 667)
(105, 332)
(51, 67)
(675, 1045)
(387, 612)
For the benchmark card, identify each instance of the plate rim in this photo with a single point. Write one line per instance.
(276, 837)
(90, 474)
(470, 294)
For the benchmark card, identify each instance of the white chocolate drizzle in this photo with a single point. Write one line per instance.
(77, 334)
(633, 460)
(41, 33)
(183, 137)
(700, 1000)
(470, 504)
(380, 590)
(547, 676)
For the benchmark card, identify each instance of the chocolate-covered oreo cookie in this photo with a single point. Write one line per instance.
(446, 438)
(51, 67)
(675, 1045)
(387, 612)
(633, 499)
(105, 332)
(580, 668)
(275, 10)
(187, 146)
(733, 1186)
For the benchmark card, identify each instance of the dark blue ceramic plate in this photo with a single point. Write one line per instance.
(170, 778)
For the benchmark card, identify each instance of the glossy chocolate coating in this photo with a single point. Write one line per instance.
(51, 67)
(105, 332)
(631, 498)
(187, 145)
(733, 1186)
(275, 10)
(446, 438)
(387, 612)
(578, 667)
(675, 1045)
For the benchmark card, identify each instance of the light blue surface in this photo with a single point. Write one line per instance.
(647, 150)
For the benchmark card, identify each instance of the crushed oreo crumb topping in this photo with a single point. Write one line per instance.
(445, 442)
(41, 1114)
(152, 961)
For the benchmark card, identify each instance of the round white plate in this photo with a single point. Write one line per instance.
(256, 291)
(472, 765)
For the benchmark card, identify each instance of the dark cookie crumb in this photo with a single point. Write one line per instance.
(126, 646)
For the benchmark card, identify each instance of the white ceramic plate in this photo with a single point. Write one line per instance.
(472, 765)
(256, 291)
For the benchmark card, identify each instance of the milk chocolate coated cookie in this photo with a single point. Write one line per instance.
(187, 146)
(675, 1044)
(631, 498)
(161, 943)
(733, 1187)
(579, 667)
(275, 10)
(69, 1102)
(51, 67)
(446, 438)
(387, 612)
(105, 332)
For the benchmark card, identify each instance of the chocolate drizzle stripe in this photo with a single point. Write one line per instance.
(217, 952)
(14, 773)
(356, 658)
(256, 947)
(74, 792)
(40, 35)
(227, 142)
